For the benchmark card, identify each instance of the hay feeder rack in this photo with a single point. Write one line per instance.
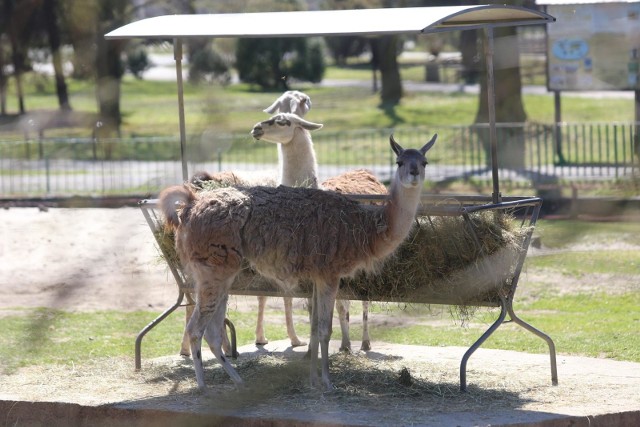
(500, 290)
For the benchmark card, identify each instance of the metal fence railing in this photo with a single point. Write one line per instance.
(531, 153)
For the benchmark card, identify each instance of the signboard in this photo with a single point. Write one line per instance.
(594, 47)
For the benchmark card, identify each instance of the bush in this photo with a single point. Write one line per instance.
(138, 61)
(208, 64)
(271, 62)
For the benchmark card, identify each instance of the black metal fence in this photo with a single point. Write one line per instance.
(143, 165)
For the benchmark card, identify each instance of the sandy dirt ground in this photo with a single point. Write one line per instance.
(91, 259)
(81, 259)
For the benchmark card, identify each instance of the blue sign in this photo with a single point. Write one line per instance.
(570, 49)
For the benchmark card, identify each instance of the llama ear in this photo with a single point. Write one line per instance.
(429, 144)
(273, 107)
(306, 103)
(310, 125)
(397, 148)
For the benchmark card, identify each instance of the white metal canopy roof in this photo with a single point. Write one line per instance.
(331, 22)
(365, 22)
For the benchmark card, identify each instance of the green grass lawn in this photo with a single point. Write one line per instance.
(150, 107)
(590, 325)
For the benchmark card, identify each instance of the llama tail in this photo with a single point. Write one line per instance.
(169, 200)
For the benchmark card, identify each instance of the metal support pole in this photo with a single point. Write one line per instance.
(557, 107)
(491, 104)
(547, 338)
(636, 135)
(151, 325)
(480, 341)
(177, 55)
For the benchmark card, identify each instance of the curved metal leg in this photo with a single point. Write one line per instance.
(478, 343)
(547, 338)
(151, 325)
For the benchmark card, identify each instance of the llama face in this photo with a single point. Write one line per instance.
(411, 163)
(281, 128)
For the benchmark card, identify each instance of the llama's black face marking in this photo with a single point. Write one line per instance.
(281, 121)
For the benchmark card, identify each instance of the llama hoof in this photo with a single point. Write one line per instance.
(232, 354)
(185, 354)
(262, 342)
(346, 350)
(366, 346)
(298, 343)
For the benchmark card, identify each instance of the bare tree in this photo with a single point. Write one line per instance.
(19, 29)
(50, 13)
(385, 50)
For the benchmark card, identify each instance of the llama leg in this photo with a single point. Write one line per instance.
(343, 314)
(260, 338)
(185, 349)
(307, 355)
(366, 341)
(195, 328)
(208, 319)
(312, 352)
(291, 331)
(215, 335)
(324, 302)
(226, 345)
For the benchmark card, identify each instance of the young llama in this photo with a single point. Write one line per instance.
(298, 168)
(337, 236)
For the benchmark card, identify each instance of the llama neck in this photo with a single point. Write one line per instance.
(298, 166)
(400, 212)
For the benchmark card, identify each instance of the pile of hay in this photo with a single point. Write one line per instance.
(445, 259)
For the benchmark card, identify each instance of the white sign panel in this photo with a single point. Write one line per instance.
(594, 47)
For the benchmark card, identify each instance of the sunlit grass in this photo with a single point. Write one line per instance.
(588, 325)
(150, 107)
(579, 263)
(557, 234)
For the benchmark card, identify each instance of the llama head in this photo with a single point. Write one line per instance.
(292, 101)
(281, 128)
(411, 162)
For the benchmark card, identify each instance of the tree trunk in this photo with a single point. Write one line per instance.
(108, 73)
(50, 13)
(18, 65)
(510, 114)
(109, 66)
(3, 84)
(432, 71)
(391, 91)
(470, 56)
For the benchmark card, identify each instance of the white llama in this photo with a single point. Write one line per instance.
(334, 238)
(294, 147)
(299, 103)
(291, 101)
(298, 168)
